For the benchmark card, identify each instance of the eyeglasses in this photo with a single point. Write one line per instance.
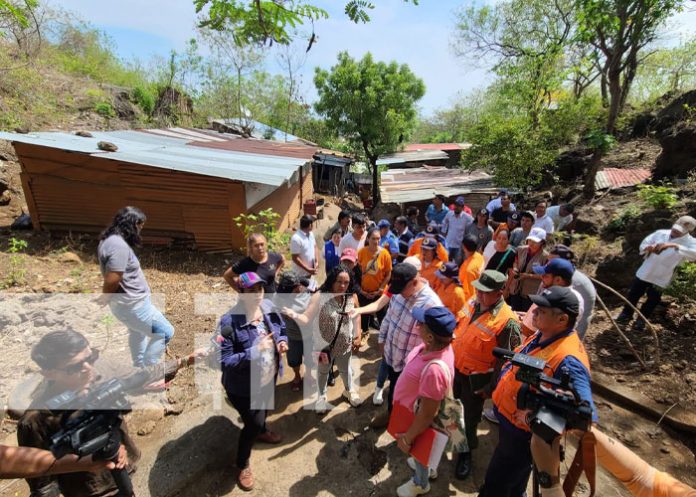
(77, 367)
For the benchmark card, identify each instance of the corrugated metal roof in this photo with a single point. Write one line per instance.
(612, 177)
(410, 185)
(437, 146)
(261, 130)
(183, 150)
(414, 156)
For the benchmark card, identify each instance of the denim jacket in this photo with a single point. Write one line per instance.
(238, 348)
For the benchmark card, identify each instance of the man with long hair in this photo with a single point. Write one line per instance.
(126, 290)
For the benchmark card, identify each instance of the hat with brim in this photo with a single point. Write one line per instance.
(429, 244)
(679, 228)
(402, 275)
(250, 279)
(490, 281)
(537, 235)
(558, 297)
(556, 267)
(413, 261)
(448, 270)
(349, 254)
(438, 319)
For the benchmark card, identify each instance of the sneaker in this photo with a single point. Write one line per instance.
(378, 397)
(489, 414)
(322, 405)
(352, 397)
(410, 489)
(432, 472)
(245, 479)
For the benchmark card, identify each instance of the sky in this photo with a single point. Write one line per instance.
(419, 36)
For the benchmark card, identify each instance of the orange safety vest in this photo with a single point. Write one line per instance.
(441, 252)
(474, 340)
(505, 394)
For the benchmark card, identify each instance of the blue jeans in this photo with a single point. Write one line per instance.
(421, 475)
(382, 374)
(149, 331)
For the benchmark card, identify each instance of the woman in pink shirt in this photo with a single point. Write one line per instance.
(428, 382)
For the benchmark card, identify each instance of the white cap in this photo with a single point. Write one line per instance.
(681, 229)
(686, 222)
(413, 261)
(537, 235)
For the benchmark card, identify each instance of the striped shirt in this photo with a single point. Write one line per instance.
(398, 331)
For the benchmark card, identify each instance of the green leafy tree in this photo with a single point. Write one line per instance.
(260, 22)
(620, 30)
(371, 104)
(666, 70)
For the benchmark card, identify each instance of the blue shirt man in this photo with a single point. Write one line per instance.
(436, 212)
(388, 240)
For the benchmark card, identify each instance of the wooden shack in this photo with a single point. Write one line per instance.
(190, 183)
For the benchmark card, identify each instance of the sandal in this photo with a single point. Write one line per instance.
(296, 385)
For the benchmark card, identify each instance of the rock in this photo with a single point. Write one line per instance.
(70, 258)
(84, 134)
(23, 130)
(675, 111)
(665, 450)
(572, 164)
(173, 410)
(678, 156)
(690, 378)
(5, 197)
(107, 146)
(643, 124)
(23, 222)
(147, 428)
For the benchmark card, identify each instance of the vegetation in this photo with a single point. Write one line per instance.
(371, 104)
(266, 222)
(623, 218)
(17, 270)
(658, 196)
(683, 286)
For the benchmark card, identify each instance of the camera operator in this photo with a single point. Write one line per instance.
(28, 462)
(557, 343)
(67, 363)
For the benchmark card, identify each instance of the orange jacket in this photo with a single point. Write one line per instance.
(505, 393)
(429, 272)
(452, 297)
(474, 340)
(469, 271)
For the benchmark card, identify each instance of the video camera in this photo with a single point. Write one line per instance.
(555, 405)
(91, 423)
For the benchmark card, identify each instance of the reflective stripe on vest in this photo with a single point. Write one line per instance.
(474, 340)
(505, 393)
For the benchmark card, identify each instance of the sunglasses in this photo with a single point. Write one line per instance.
(77, 367)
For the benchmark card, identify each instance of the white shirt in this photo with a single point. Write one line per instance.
(495, 203)
(303, 244)
(349, 241)
(544, 222)
(560, 222)
(455, 226)
(583, 285)
(658, 269)
(488, 252)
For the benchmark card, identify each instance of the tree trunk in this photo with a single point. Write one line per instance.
(375, 181)
(615, 96)
(592, 170)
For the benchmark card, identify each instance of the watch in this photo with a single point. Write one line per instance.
(546, 480)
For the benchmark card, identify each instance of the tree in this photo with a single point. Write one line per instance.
(371, 104)
(291, 59)
(620, 30)
(666, 70)
(264, 21)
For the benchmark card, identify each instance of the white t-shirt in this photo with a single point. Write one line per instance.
(545, 222)
(349, 241)
(303, 244)
(560, 222)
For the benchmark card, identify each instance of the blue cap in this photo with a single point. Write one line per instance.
(460, 201)
(557, 267)
(439, 319)
(383, 223)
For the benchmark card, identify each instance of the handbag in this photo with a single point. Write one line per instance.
(450, 415)
(327, 350)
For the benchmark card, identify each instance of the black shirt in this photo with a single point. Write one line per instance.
(501, 262)
(266, 270)
(500, 216)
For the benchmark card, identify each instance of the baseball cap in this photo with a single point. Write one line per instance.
(448, 270)
(537, 235)
(429, 243)
(439, 319)
(482, 211)
(249, 279)
(413, 261)
(490, 281)
(563, 251)
(687, 222)
(460, 201)
(557, 267)
(402, 275)
(290, 279)
(502, 191)
(558, 297)
(383, 223)
(431, 230)
(349, 254)
(515, 216)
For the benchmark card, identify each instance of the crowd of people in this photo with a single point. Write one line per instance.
(439, 299)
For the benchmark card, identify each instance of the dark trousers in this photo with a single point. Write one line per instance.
(637, 290)
(366, 318)
(473, 407)
(254, 425)
(392, 376)
(511, 464)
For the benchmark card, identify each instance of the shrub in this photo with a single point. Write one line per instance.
(621, 220)
(145, 99)
(17, 270)
(105, 109)
(683, 286)
(265, 222)
(658, 196)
